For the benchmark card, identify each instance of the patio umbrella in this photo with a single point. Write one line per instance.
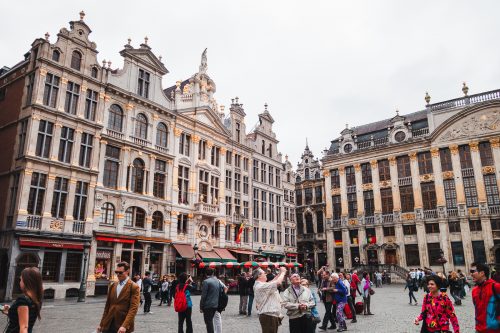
(202, 265)
(214, 264)
(264, 264)
(249, 264)
(279, 264)
(231, 264)
(293, 264)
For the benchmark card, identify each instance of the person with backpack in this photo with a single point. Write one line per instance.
(209, 303)
(183, 304)
(486, 299)
(411, 284)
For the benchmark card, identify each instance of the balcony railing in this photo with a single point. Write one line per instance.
(420, 132)
(351, 189)
(78, 227)
(205, 208)
(114, 134)
(139, 141)
(452, 212)
(33, 222)
(336, 223)
(494, 210)
(458, 102)
(369, 220)
(430, 214)
(161, 149)
(387, 218)
(381, 141)
(469, 172)
(405, 181)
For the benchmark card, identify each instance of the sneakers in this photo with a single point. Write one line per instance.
(322, 328)
(354, 321)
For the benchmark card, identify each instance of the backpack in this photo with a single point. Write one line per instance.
(223, 299)
(493, 311)
(180, 300)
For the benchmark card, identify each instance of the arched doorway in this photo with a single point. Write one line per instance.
(24, 261)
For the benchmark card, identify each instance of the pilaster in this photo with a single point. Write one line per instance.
(343, 190)
(478, 173)
(396, 199)
(457, 172)
(346, 248)
(438, 177)
(376, 186)
(359, 189)
(422, 244)
(415, 180)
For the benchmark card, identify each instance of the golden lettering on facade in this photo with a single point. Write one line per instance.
(454, 149)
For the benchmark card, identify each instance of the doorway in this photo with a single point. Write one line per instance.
(372, 257)
(390, 257)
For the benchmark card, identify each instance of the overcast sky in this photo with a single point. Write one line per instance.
(318, 64)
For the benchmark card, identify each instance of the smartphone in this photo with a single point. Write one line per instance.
(2, 307)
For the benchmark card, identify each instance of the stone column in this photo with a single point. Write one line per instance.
(415, 180)
(47, 203)
(76, 147)
(362, 242)
(396, 199)
(152, 166)
(71, 200)
(422, 244)
(169, 180)
(467, 242)
(39, 86)
(102, 161)
(488, 239)
(343, 191)
(478, 172)
(400, 240)
(376, 186)
(63, 84)
(444, 241)
(32, 135)
(123, 181)
(96, 159)
(330, 248)
(89, 209)
(438, 177)
(495, 148)
(457, 172)
(54, 151)
(90, 268)
(359, 189)
(328, 195)
(379, 233)
(346, 245)
(24, 190)
(175, 174)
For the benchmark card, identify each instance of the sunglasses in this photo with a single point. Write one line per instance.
(119, 272)
(472, 271)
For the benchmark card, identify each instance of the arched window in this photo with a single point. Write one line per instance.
(309, 224)
(141, 126)
(215, 229)
(93, 72)
(298, 179)
(108, 213)
(76, 60)
(306, 173)
(56, 55)
(161, 135)
(157, 223)
(319, 222)
(317, 175)
(288, 176)
(137, 176)
(115, 120)
(135, 217)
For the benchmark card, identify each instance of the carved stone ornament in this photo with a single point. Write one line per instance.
(367, 187)
(408, 216)
(479, 123)
(195, 139)
(335, 191)
(474, 146)
(326, 173)
(454, 149)
(385, 184)
(435, 152)
(392, 160)
(448, 175)
(495, 142)
(473, 211)
(426, 178)
(488, 170)
(341, 171)
(373, 164)
(413, 156)
(353, 222)
(56, 225)
(357, 167)
(223, 150)
(177, 131)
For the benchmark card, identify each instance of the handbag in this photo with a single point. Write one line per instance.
(371, 292)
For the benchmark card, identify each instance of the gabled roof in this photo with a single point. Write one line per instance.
(384, 124)
(145, 56)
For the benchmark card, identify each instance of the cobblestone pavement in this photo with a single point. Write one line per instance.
(389, 304)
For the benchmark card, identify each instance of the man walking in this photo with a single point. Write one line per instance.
(350, 300)
(326, 288)
(147, 284)
(485, 293)
(298, 302)
(243, 292)
(209, 302)
(250, 284)
(122, 303)
(267, 300)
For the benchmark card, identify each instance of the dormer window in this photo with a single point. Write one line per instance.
(400, 136)
(94, 72)
(56, 55)
(143, 83)
(76, 60)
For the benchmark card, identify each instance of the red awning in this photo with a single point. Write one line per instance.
(291, 254)
(209, 255)
(185, 251)
(52, 243)
(243, 251)
(224, 254)
(115, 239)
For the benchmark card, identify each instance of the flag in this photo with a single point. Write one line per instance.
(372, 239)
(338, 242)
(240, 231)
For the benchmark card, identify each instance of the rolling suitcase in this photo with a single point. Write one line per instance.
(359, 307)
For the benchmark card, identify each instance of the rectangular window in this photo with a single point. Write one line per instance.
(389, 231)
(298, 196)
(91, 100)
(369, 203)
(318, 194)
(425, 163)
(352, 205)
(432, 228)
(445, 157)
(86, 150)
(72, 96)
(203, 185)
(428, 195)
(491, 187)
(255, 203)
(184, 144)
(308, 195)
(23, 131)
(111, 165)
(366, 173)
(406, 195)
(229, 157)
(59, 198)
(278, 208)
(278, 178)
(264, 235)
(182, 224)
(215, 156)
(465, 156)
(412, 255)
(246, 162)
(287, 236)
(292, 237)
(29, 88)
(271, 237)
(237, 160)
(229, 206)
(409, 229)
(404, 169)
(486, 154)
(159, 180)
(237, 207)
(256, 234)
(13, 191)
(479, 251)
(470, 192)
(202, 150)
(264, 205)
(214, 189)
(256, 170)
(245, 185)
(271, 207)
(245, 209)
(80, 204)
(271, 176)
(335, 178)
(73, 267)
(450, 193)
(263, 173)
(51, 265)
(183, 183)
(350, 176)
(457, 252)
(475, 225)
(495, 224)
(237, 182)
(229, 179)
(454, 226)
(44, 139)
(37, 193)
(384, 170)
(434, 251)
(66, 144)
(51, 90)
(238, 132)
(336, 207)
(143, 83)
(386, 198)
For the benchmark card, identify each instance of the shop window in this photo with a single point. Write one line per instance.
(457, 252)
(51, 265)
(409, 229)
(73, 267)
(412, 255)
(157, 223)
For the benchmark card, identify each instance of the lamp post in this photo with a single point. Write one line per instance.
(442, 260)
(307, 261)
(83, 281)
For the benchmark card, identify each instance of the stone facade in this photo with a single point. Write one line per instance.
(417, 188)
(105, 165)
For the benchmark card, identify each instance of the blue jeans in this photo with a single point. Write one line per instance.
(250, 304)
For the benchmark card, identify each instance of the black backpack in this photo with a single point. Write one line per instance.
(223, 299)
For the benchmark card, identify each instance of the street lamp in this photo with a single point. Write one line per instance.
(83, 281)
(442, 260)
(195, 260)
(307, 261)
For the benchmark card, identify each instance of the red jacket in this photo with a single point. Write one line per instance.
(354, 284)
(482, 296)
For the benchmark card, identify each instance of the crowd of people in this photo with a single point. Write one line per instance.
(272, 293)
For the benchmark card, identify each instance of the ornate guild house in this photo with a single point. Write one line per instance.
(417, 190)
(102, 165)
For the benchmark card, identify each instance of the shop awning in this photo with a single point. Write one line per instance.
(115, 239)
(225, 255)
(208, 256)
(52, 243)
(241, 251)
(185, 250)
(273, 254)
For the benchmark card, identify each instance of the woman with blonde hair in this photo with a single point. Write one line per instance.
(26, 309)
(456, 286)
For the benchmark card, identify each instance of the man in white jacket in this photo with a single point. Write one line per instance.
(298, 302)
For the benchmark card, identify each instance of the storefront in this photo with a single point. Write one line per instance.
(273, 256)
(291, 257)
(244, 255)
(183, 257)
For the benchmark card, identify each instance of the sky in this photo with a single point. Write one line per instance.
(318, 64)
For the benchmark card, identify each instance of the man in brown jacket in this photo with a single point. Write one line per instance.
(122, 303)
(326, 288)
